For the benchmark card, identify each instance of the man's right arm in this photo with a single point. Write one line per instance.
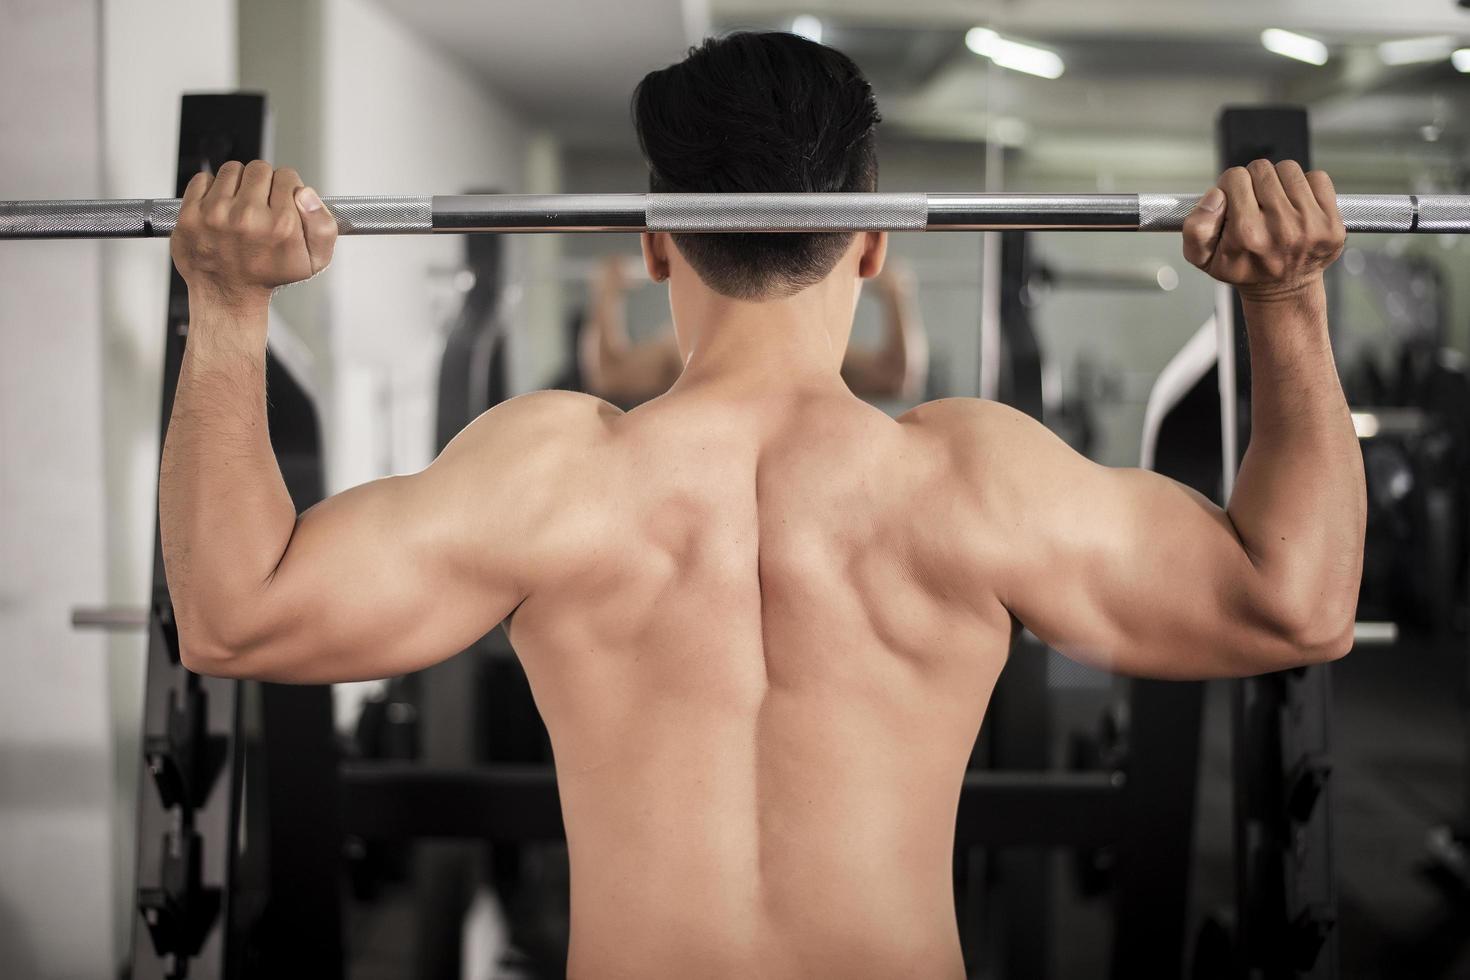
(1135, 573)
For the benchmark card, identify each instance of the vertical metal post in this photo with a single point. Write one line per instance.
(187, 810)
(233, 880)
(990, 280)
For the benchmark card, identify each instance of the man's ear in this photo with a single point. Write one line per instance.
(874, 252)
(656, 255)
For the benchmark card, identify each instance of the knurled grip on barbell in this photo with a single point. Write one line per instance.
(144, 218)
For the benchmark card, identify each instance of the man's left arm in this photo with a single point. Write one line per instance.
(383, 579)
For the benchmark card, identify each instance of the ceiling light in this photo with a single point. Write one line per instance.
(1013, 54)
(1297, 46)
(808, 27)
(1461, 60)
(1415, 50)
(979, 40)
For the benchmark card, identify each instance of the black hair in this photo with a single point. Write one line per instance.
(759, 112)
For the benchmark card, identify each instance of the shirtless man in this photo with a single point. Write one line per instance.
(628, 374)
(761, 618)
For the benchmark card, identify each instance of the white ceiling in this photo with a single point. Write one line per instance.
(565, 63)
(1154, 70)
(1221, 19)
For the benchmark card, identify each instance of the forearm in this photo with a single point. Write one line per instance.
(604, 339)
(1299, 503)
(225, 516)
(896, 368)
(906, 350)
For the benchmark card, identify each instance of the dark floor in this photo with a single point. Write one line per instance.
(1400, 769)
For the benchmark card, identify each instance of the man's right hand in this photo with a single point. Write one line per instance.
(1268, 230)
(246, 231)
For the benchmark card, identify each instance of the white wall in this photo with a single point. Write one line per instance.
(398, 117)
(54, 735)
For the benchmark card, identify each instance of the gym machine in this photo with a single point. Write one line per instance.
(238, 869)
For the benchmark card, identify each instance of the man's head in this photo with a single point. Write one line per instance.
(763, 112)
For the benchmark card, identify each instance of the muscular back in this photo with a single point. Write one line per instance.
(762, 623)
(760, 694)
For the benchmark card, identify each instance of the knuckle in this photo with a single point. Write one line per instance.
(253, 221)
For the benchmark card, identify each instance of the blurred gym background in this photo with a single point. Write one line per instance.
(444, 96)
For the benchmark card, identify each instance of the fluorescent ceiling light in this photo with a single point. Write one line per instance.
(1415, 50)
(1297, 46)
(1461, 60)
(980, 39)
(1013, 54)
(808, 27)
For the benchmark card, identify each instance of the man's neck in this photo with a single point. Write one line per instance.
(796, 342)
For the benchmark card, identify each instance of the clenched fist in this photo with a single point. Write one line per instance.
(1268, 230)
(247, 230)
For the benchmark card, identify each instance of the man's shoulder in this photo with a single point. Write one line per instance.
(970, 424)
(567, 413)
(539, 426)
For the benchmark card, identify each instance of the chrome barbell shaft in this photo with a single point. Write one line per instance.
(144, 218)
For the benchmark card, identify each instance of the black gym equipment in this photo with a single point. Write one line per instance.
(227, 763)
(1286, 902)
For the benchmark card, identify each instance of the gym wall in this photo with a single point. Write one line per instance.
(365, 103)
(54, 734)
(398, 113)
(79, 491)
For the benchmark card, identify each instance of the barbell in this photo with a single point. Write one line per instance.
(918, 211)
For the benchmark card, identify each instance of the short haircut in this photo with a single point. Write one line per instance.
(759, 112)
